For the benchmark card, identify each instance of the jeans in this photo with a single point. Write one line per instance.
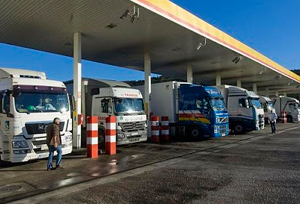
(51, 154)
(273, 127)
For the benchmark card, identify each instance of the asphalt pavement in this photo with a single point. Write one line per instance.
(258, 167)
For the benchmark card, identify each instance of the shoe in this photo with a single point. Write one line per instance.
(58, 167)
(52, 168)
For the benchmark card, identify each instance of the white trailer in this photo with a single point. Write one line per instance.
(29, 102)
(267, 105)
(244, 108)
(105, 98)
(289, 105)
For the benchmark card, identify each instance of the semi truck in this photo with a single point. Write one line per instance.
(289, 105)
(29, 103)
(105, 98)
(267, 105)
(197, 111)
(244, 108)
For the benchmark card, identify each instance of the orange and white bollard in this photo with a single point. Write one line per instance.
(92, 136)
(165, 130)
(110, 135)
(155, 129)
(283, 115)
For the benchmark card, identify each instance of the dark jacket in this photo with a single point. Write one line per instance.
(52, 130)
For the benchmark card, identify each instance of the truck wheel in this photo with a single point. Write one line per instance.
(195, 133)
(239, 128)
(101, 139)
(289, 119)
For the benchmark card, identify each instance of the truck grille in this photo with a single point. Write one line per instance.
(131, 127)
(40, 128)
(223, 129)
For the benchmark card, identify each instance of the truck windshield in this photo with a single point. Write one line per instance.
(217, 104)
(255, 103)
(128, 105)
(41, 102)
(270, 105)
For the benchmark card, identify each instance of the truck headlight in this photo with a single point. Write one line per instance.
(215, 129)
(120, 135)
(19, 144)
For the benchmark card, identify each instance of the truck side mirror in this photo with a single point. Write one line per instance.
(72, 102)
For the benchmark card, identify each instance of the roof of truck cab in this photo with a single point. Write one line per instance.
(102, 82)
(21, 73)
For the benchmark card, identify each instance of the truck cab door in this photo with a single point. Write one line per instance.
(102, 107)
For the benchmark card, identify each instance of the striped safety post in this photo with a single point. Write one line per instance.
(165, 130)
(92, 136)
(284, 118)
(110, 135)
(155, 129)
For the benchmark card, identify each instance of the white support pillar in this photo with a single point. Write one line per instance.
(254, 88)
(267, 92)
(147, 70)
(276, 93)
(77, 89)
(189, 74)
(218, 80)
(284, 94)
(239, 83)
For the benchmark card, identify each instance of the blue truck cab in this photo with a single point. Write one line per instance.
(202, 108)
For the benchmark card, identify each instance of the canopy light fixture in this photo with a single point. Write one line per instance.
(262, 71)
(237, 59)
(135, 14)
(277, 77)
(201, 44)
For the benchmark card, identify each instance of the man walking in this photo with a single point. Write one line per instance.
(54, 143)
(272, 118)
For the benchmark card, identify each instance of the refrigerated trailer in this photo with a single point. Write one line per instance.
(289, 105)
(29, 103)
(244, 108)
(198, 111)
(105, 98)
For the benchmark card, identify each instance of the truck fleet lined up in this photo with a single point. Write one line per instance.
(29, 102)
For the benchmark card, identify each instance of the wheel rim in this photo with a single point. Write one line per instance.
(239, 128)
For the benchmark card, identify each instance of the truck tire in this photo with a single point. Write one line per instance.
(239, 128)
(195, 133)
(289, 119)
(101, 138)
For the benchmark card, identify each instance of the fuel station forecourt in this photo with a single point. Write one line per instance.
(99, 31)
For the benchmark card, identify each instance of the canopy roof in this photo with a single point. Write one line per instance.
(169, 33)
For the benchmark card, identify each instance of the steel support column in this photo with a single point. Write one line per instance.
(147, 95)
(218, 80)
(254, 88)
(189, 74)
(239, 83)
(77, 89)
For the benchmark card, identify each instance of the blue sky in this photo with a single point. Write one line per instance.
(270, 27)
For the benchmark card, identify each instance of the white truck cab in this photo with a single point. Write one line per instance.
(29, 102)
(289, 105)
(244, 108)
(105, 98)
(267, 105)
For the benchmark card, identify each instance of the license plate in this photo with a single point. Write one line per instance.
(134, 133)
(43, 155)
(44, 147)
